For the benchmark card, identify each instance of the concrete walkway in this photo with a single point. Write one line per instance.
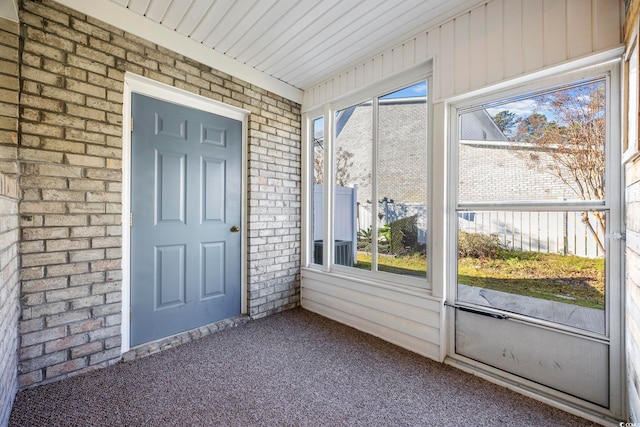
(589, 319)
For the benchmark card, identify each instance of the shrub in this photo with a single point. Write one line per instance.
(403, 235)
(477, 245)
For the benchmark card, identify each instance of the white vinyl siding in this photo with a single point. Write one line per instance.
(409, 318)
(497, 41)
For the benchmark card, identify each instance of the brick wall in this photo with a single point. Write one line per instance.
(632, 256)
(9, 85)
(71, 181)
(515, 180)
(9, 294)
(402, 150)
(9, 284)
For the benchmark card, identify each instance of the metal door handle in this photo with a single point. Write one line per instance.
(235, 229)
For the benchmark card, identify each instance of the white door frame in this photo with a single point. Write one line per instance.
(615, 315)
(134, 83)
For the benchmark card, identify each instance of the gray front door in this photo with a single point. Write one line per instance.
(185, 203)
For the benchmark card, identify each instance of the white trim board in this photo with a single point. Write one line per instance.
(136, 84)
(9, 10)
(112, 14)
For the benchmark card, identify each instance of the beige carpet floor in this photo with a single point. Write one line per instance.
(291, 369)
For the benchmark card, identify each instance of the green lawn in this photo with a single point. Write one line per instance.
(568, 279)
(413, 265)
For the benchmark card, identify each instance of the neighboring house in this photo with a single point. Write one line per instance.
(403, 129)
(68, 177)
(478, 125)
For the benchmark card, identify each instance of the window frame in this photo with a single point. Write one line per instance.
(610, 71)
(328, 111)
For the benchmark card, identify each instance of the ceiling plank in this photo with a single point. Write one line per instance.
(291, 32)
(157, 9)
(341, 40)
(257, 38)
(233, 29)
(176, 11)
(380, 31)
(232, 20)
(386, 36)
(193, 17)
(138, 6)
(214, 16)
(306, 41)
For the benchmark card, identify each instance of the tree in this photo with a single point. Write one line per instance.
(505, 120)
(572, 147)
(318, 161)
(343, 165)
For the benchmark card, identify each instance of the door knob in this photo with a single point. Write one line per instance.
(235, 229)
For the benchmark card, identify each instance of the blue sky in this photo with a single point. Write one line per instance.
(419, 89)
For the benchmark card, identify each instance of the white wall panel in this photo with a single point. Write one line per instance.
(433, 44)
(344, 83)
(447, 58)
(513, 43)
(410, 319)
(420, 49)
(461, 53)
(495, 42)
(607, 26)
(477, 47)
(580, 30)
(417, 346)
(367, 73)
(387, 63)
(409, 52)
(377, 67)
(532, 36)
(351, 80)
(499, 40)
(554, 30)
(373, 310)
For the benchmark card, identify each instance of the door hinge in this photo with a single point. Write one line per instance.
(130, 219)
(131, 124)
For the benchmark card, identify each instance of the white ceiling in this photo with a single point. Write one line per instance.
(299, 42)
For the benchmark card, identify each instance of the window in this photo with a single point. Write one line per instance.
(317, 199)
(353, 190)
(379, 170)
(533, 209)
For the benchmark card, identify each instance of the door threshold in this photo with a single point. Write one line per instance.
(152, 347)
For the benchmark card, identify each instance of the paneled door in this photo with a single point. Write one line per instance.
(185, 218)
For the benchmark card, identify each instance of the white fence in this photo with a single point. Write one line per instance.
(393, 212)
(548, 232)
